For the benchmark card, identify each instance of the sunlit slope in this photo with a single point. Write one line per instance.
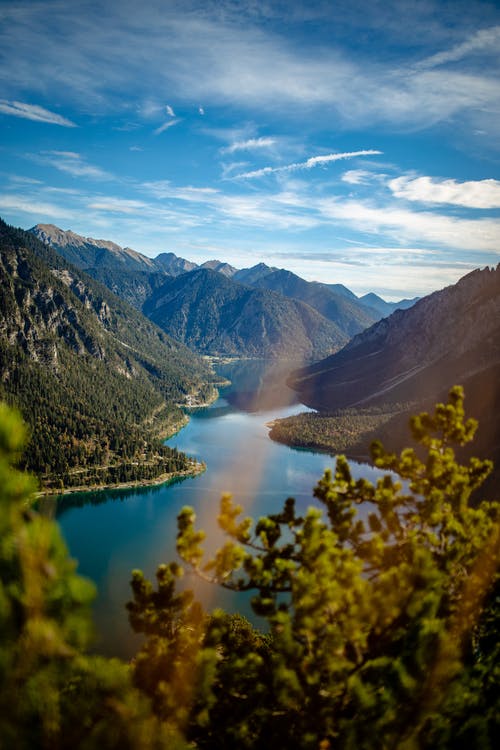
(447, 337)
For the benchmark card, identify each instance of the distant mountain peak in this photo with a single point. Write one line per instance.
(65, 241)
(220, 266)
(217, 315)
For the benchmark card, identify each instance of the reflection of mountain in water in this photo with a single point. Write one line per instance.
(214, 412)
(261, 385)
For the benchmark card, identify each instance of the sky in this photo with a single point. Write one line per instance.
(353, 142)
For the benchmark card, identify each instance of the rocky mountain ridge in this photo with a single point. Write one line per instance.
(136, 277)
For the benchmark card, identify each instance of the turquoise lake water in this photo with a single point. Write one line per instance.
(112, 532)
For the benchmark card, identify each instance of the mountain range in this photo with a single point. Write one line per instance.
(287, 317)
(96, 381)
(62, 331)
(213, 314)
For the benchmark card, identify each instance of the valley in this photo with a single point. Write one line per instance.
(249, 375)
(362, 375)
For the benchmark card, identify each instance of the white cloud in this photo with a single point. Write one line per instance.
(165, 126)
(248, 145)
(480, 41)
(471, 194)
(71, 163)
(313, 161)
(34, 112)
(357, 177)
(170, 111)
(67, 154)
(403, 226)
(161, 189)
(33, 206)
(118, 205)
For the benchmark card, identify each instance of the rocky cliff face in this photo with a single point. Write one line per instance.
(36, 312)
(48, 304)
(129, 274)
(86, 252)
(446, 337)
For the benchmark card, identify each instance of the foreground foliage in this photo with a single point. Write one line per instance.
(381, 633)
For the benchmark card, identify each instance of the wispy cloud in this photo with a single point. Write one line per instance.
(483, 194)
(481, 41)
(204, 56)
(313, 161)
(22, 180)
(357, 177)
(280, 210)
(162, 189)
(166, 125)
(33, 207)
(170, 111)
(249, 145)
(118, 205)
(71, 163)
(34, 112)
(229, 169)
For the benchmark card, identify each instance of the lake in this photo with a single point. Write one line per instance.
(112, 532)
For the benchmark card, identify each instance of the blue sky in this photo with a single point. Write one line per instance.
(354, 142)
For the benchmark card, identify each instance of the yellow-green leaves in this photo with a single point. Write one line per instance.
(372, 624)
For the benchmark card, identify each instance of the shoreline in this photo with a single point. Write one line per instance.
(198, 468)
(166, 434)
(318, 448)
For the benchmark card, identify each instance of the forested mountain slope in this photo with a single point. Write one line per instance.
(94, 378)
(348, 314)
(216, 315)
